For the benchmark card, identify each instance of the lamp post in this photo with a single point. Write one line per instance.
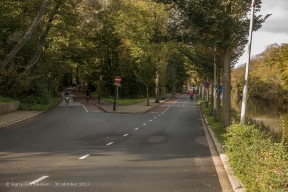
(100, 79)
(245, 89)
(49, 75)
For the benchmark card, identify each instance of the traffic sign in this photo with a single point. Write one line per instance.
(207, 85)
(117, 79)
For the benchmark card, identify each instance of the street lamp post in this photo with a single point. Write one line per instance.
(100, 79)
(245, 89)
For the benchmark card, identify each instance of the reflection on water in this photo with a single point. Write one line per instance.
(266, 111)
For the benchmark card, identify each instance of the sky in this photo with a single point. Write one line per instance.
(274, 30)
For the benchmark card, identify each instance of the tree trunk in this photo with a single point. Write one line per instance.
(227, 73)
(157, 88)
(37, 55)
(212, 95)
(10, 56)
(147, 92)
(218, 93)
(226, 87)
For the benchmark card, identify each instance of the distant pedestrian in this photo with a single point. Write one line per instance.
(240, 96)
(88, 95)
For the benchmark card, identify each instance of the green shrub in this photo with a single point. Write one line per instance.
(38, 107)
(5, 100)
(257, 159)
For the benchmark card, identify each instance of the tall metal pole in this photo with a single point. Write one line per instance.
(245, 89)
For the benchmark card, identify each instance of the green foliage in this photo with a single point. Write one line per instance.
(5, 100)
(257, 159)
(216, 125)
(268, 77)
(32, 106)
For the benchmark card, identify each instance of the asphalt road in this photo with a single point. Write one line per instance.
(70, 148)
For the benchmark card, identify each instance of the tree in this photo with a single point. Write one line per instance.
(9, 57)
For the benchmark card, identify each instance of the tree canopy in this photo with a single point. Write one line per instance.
(142, 41)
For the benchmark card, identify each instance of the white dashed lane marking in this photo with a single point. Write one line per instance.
(109, 143)
(125, 135)
(83, 157)
(37, 180)
(136, 128)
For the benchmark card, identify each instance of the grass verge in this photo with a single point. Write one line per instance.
(259, 160)
(125, 102)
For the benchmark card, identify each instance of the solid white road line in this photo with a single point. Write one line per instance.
(125, 135)
(84, 156)
(85, 108)
(109, 143)
(37, 180)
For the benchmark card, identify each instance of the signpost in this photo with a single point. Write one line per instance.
(117, 84)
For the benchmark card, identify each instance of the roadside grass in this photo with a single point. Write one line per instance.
(5, 100)
(258, 159)
(39, 107)
(125, 102)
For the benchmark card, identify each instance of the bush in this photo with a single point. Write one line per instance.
(257, 159)
(37, 106)
(5, 100)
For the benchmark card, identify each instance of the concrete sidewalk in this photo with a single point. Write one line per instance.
(15, 117)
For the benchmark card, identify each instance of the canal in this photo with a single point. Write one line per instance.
(266, 111)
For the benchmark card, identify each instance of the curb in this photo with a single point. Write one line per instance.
(27, 118)
(20, 120)
(236, 184)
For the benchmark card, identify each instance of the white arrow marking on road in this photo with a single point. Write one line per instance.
(125, 135)
(84, 156)
(109, 143)
(37, 180)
